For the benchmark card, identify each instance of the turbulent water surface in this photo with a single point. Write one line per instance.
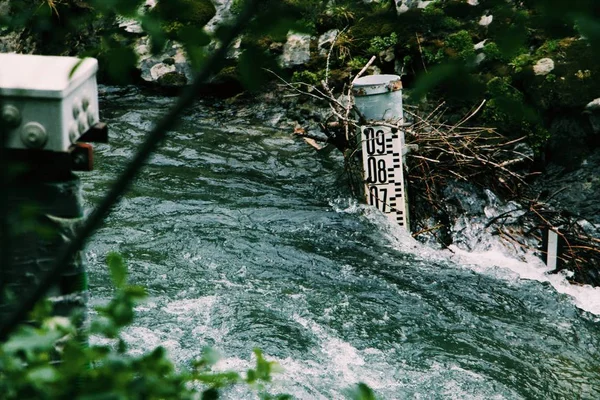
(244, 238)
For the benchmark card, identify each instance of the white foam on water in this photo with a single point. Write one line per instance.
(585, 297)
(346, 365)
(347, 206)
(496, 260)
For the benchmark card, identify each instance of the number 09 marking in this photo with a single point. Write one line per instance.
(375, 141)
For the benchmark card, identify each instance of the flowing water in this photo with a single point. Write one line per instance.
(244, 238)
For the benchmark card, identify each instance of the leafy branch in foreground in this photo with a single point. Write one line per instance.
(48, 359)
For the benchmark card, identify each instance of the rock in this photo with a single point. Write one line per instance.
(479, 58)
(576, 191)
(326, 40)
(479, 45)
(193, 12)
(592, 109)
(463, 198)
(569, 141)
(160, 69)
(473, 2)
(543, 66)
(172, 79)
(133, 25)
(4, 8)
(129, 25)
(222, 14)
(486, 20)
(403, 6)
(593, 106)
(388, 55)
(296, 50)
(149, 5)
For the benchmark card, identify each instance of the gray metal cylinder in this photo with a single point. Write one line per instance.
(379, 97)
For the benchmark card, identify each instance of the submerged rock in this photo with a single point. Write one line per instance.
(576, 191)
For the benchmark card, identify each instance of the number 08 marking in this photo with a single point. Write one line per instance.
(376, 170)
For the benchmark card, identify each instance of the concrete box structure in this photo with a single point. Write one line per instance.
(47, 102)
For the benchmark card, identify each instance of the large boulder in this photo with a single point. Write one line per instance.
(296, 50)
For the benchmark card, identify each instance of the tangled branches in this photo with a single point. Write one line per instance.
(443, 152)
(578, 243)
(473, 154)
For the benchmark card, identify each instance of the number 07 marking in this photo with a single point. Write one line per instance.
(378, 198)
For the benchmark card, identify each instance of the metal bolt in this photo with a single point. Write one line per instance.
(33, 135)
(82, 125)
(80, 160)
(76, 109)
(10, 116)
(91, 118)
(73, 133)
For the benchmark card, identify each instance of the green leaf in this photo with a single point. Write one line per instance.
(196, 56)
(152, 27)
(75, 67)
(127, 7)
(263, 367)
(219, 379)
(120, 64)
(428, 81)
(590, 28)
(193, 36)
(121, 312)
(43, 375)
(362, 392)
(105, 327)
(135, 292)
(118, 269)
(209, 358)
(251, 67)
(28, 340)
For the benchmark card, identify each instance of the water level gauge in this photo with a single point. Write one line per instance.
(384, 172)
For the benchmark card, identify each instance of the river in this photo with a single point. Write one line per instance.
(244, 237)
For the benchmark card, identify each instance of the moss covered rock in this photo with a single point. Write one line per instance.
(574, 81)
(196, 12)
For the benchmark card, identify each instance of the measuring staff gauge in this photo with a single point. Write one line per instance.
(383, 170)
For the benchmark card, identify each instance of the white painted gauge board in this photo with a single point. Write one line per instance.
(384, 172)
